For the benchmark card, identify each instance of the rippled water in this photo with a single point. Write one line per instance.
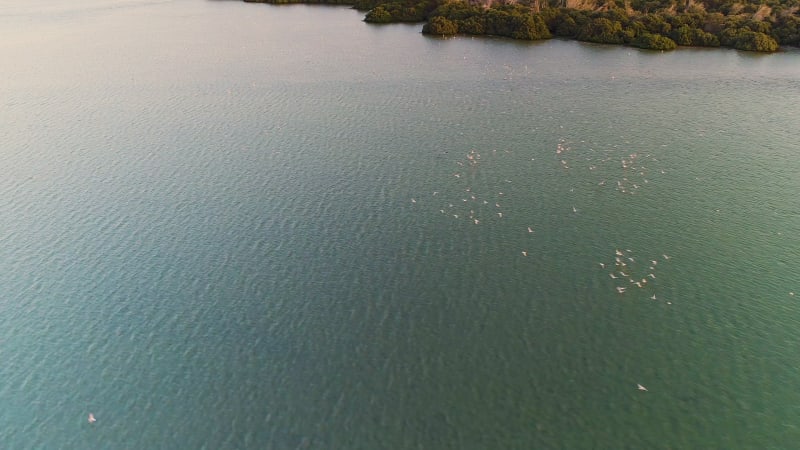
(227, 225)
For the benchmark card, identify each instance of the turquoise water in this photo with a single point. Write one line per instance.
(218, 229)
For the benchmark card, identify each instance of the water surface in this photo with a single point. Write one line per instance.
(227, 225)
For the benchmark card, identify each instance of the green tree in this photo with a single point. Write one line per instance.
(378, 15)
(787, 30)
(473, 25)
(654, 42)
(441, 26)
(702, 39)
(603, 31)
(682, 35)
(744, 39)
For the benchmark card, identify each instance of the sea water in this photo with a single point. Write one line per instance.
(228, 225)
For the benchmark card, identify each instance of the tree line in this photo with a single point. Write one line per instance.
(650, 24)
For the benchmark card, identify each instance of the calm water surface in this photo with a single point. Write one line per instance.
(227, 225)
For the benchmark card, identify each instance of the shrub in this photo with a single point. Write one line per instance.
(654, 42)
(441, 26)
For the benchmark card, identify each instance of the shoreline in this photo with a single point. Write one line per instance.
(666, 29)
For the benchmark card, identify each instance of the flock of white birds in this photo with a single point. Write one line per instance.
(628, 273)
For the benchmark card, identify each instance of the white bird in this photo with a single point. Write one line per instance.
(653, 297)
(620, 289)
(530, 230)
(602, 266)
(524, 253)
(477, 221)
(654, 262)
(665, 256)
(651, 276)
(623, 274)
(619, 253)
(641, 388)
(91, 418)
(612, 276)
(499, 214)
(413, 201)
(574, 209)
(638, 284)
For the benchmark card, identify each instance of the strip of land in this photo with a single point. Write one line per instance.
(761, 26)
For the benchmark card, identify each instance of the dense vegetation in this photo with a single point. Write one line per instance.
(653, 24)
